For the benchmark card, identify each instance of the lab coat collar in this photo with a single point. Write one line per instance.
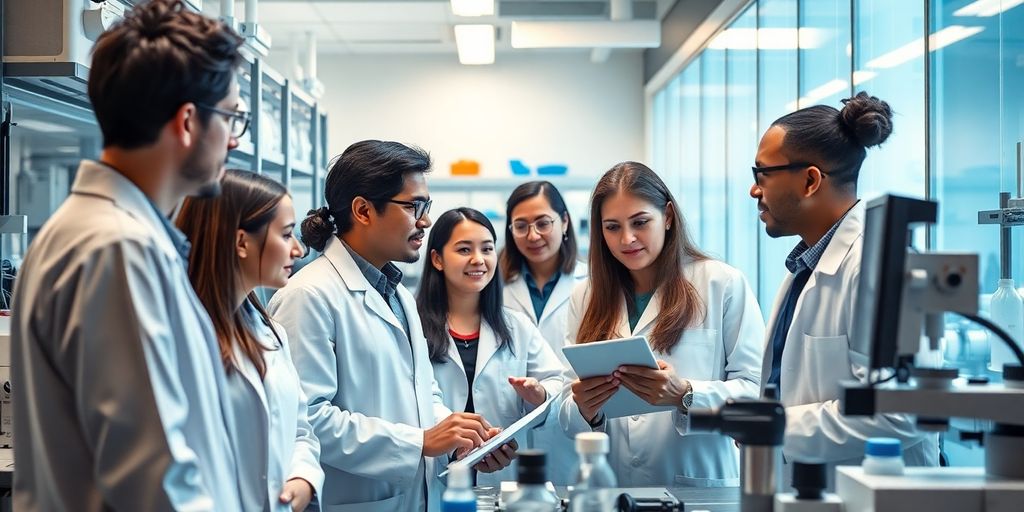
(521, 293)
(563, 289)
(487, 346)
(100, 180)
(850, 230)
(354, 279)
(649, 315)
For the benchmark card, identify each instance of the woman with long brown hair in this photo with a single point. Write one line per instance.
(243, 239)
(647, 278)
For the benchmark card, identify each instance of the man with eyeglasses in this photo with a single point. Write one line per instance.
(805, 184)
(118, 371)
(357, 342)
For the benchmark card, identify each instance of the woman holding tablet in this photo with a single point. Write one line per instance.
(487, 360)
(647, 278)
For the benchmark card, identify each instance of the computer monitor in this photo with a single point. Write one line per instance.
(878, 307)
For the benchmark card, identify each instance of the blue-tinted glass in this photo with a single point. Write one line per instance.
(777, 95)
(712, 128)
(741, 146)
(889, 64)
(825, 51)
(691, 144)
(659, 132)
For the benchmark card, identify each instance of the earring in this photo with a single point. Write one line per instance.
(565, 235)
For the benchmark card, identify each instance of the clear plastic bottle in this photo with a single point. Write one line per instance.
(1007, 310)
(532, 495)
(459, 496)
(595, 479)
(883, 456)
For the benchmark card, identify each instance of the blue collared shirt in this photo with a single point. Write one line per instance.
(539, 296)
(801, 262)
(385, 280)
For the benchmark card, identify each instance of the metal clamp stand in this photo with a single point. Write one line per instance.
(759, 427)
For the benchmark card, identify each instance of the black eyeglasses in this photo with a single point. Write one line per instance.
(239, 119)
(420, 207)
(785, 167)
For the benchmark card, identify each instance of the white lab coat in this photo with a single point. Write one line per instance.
(553, 322)
(273, 438)
(371, 391)
(493, 397)
(721, 359)
(120, 384)
(817, 356)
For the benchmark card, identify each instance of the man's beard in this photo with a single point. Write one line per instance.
(195, 171)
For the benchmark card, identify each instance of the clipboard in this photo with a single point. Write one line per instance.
(530, 420)
(599, 358)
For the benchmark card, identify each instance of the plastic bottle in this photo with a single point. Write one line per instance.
(595, 479)
(1007, 310)
(459, 496)
(532, 494)
(883, 456)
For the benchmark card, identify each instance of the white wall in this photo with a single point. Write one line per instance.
(539, 107)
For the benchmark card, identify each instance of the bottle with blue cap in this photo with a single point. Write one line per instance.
(883, 456)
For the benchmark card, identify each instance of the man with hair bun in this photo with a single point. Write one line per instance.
(805, 184)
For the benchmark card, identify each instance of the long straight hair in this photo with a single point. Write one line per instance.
(512, 259)
(432, 297)
(610, 281)
(249, 202)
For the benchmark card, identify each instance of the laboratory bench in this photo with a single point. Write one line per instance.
(694, 499)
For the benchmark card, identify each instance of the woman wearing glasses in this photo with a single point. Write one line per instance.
(487, 360)
(647, 278)
(540, 270)
(241, 240)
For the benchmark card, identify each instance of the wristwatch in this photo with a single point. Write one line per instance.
(687, 401)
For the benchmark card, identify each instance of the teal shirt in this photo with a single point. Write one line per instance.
(539, 296)
(640, 301)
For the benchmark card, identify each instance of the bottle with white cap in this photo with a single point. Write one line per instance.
(595, 479)
(459, 496)
(883, 456)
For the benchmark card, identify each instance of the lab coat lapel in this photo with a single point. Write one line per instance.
(486, 347)
(521, 294)
(354, 279)
(561, 293)
(649, 315)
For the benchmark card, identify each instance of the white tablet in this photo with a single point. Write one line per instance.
(598, 358)
(530, 420)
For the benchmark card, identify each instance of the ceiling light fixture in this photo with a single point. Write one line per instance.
(473, 7)
(475, 44)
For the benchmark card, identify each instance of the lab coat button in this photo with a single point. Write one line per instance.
(635, 462)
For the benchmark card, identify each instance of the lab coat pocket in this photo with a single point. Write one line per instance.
(828, 361)
(689, 481)
(694, 355)
(387, 505)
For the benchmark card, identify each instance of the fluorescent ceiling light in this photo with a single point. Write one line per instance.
(915, 49)
(819, 93)
(987, 8)
(769, 39)
(42, 126)
(473, 7)
(586, 34)
(475, 44)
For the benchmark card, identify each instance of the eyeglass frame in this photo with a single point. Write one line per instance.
(420, 207)
(532, 225)
(785, 167)
(241, 115)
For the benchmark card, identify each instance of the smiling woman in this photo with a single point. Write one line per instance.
(487, 360)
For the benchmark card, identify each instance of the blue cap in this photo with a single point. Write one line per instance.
(883, 447)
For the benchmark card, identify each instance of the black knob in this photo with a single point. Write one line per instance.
(809, 480)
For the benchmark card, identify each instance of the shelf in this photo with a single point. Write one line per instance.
(506, 184)
(303, 169)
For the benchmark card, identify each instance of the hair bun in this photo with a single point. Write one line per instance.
(867, 118)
